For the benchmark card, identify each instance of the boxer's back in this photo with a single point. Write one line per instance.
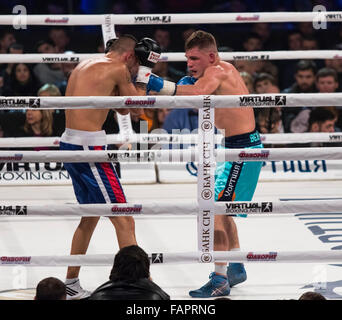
(95, 77)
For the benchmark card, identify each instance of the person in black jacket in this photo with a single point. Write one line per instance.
(130, 278)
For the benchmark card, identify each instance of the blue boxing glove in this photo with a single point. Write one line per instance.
(187, 80)
(161, 86)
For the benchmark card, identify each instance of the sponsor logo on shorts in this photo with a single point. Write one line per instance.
(13, 210)
(152, 19)
(247, 18)
(15, 260)
(139, 102)
(157, 258)
(249, 207)
(127, 210)
(19, 103)
(16, 157)
(62, 20)
(263, 154)
(153, 57)
(263, 101)
(271, 256)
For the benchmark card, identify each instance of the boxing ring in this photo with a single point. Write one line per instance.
(286, 255)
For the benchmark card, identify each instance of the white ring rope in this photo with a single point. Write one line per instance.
(175, 102)
(176, 56)
(180, 257)
(173, 155)
(167, 18)
(273, 138)
(173, 208)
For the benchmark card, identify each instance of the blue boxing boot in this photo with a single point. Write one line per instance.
(236, 273)
(217, 286)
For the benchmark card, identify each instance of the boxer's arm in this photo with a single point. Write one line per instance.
(207, 84)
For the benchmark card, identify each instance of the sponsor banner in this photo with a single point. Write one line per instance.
(241, 18)
(63, 59)
(271, 256)
(14, 260)
(13, 210)
(260, 100)
(152, 19)
(127, 210)
(249, 207)
(63, 20)
(262, 154)
(12, 103)
(156, 258)
(139, 102)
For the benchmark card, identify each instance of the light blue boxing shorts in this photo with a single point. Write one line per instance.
(237, 180)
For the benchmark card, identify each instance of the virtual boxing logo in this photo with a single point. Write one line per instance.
(249, 207)
(157, 258)
(152, 19)
(15, 260)
(13, 211)
(19, 103)
(272, 256)
(262, 101)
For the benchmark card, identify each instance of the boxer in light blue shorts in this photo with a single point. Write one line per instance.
(236, 181)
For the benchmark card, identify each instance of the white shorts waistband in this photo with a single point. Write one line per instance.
(88, 138)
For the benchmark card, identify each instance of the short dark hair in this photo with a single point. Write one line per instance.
(306, 65)
(51, 289)
(44, 41)
(200, 39)
(320, 115)
(5, 32)
(130, 264)
(121, 44)
(310, 295)
(252, 35)
(264, 76)
(327, 72)
(15, 46)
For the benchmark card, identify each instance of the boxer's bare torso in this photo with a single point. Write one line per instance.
(105, 76)
(221, 78)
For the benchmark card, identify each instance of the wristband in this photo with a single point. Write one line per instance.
(144, 74)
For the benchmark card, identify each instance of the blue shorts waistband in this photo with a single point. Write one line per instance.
(244, 140)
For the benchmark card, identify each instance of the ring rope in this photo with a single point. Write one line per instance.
(176, 56)
(173, 155)
(274, 138)
(167, 18)
(173, 208)
(315, 256)
(179, 102)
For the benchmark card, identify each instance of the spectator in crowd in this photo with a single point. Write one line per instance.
(269, 120)
(248, 80)
(50, 90)
(50, 289)
(39, 123)
(66, 69)
(14, 48)
(327, 80)
(60, 38)
(288, 67)
(265, 83)
(48, 72)
(310, 43)
(295, 119)
(310, 295)
(7, 37)
(322, 120)
(130, 278)
(21, 82)
(252, 42)
(337, 65)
